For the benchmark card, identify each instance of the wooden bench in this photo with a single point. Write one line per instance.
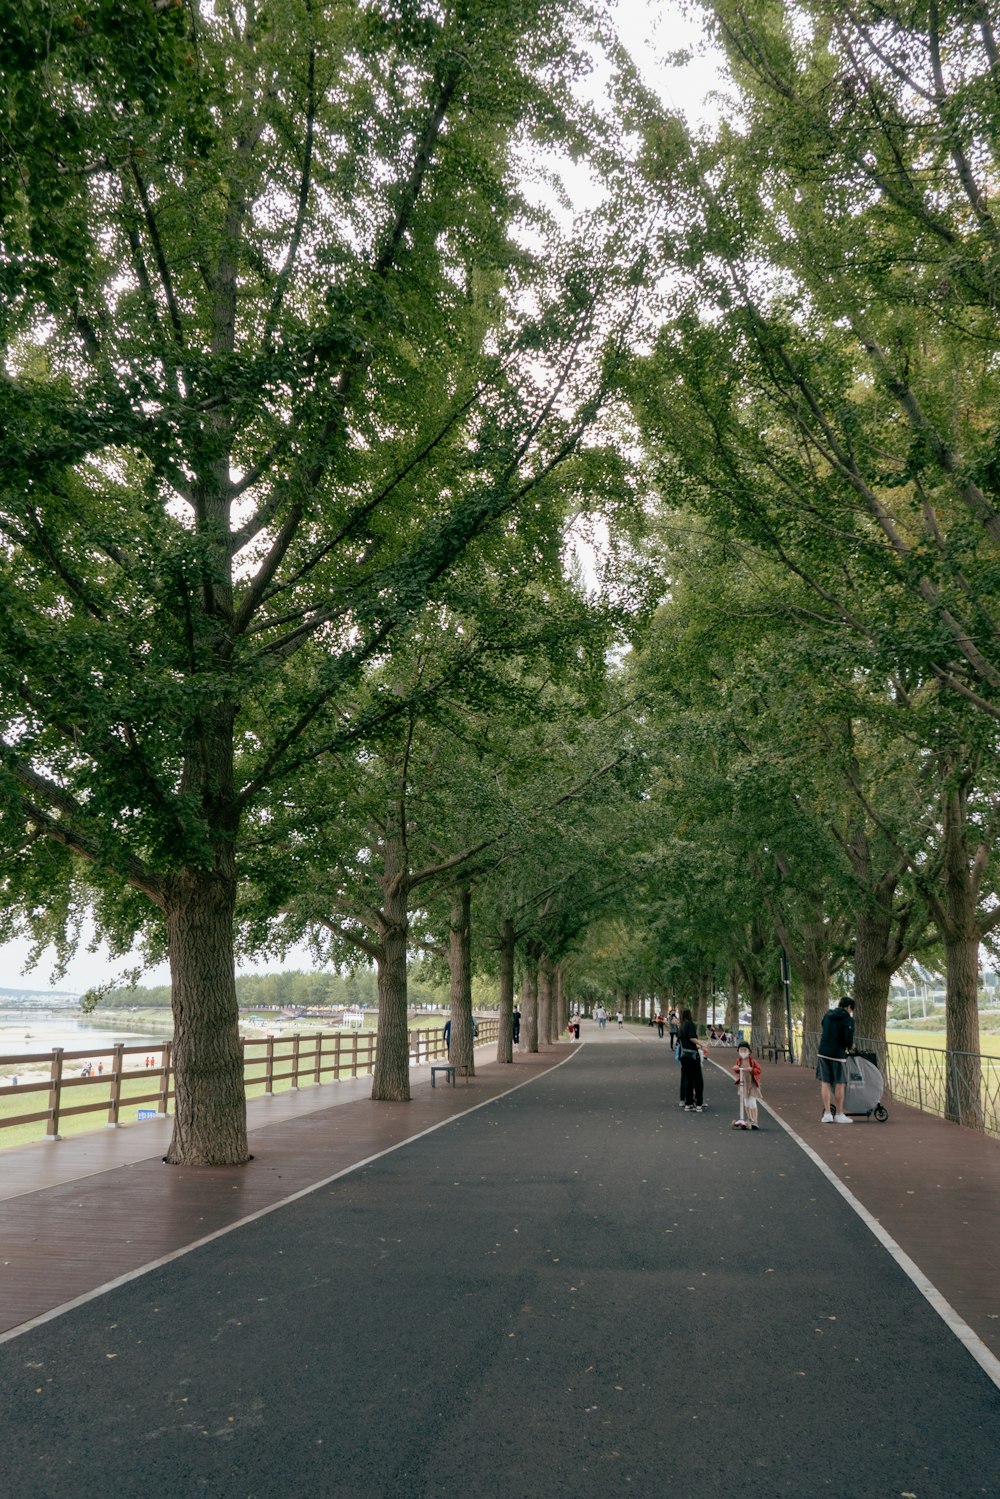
(448, 1068)
(775, 1049)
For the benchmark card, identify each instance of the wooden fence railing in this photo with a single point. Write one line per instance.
(124, 1078)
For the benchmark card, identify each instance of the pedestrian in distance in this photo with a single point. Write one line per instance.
(516, 1026)
(621, 1019)
(835, 1041)
(659, 1023)
(673, 1027)
(747, 1075)
(692, 1077)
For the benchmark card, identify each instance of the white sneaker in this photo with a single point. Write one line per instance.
(842, 1119)
(827, 1118)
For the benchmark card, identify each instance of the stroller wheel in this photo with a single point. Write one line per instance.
(881, 1113)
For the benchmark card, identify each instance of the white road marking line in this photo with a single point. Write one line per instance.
(971, 1340)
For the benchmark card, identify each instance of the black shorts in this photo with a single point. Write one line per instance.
(832, 1071)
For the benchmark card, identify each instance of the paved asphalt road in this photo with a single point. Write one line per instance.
(575, 1292)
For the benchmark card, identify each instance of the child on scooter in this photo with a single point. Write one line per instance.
(747, 1077)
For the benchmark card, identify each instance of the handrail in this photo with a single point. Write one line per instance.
(270, 1063)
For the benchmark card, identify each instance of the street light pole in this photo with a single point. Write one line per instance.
(786, 980)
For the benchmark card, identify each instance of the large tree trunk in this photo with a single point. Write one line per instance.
(873, 970)
(961, 935)
(545, 1016)
(964, 1101)
(529, 1004)
(460, 969)
(210, 1115)
(505, 1030)
(391, 1075)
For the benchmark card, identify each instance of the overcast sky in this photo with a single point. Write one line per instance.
(652, 29)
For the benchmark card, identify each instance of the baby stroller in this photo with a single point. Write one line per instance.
(863, 1094)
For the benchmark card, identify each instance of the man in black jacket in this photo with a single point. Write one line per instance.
(836, 1039)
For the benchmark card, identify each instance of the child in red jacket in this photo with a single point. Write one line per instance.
(747, 1075)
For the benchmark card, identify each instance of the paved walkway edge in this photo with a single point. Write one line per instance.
(986, 1360)
(166, 1259)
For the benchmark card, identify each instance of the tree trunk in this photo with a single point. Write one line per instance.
(873, 970)
(505, 1031)
(529, 1004)
(702, 999)
(815, 971)
(561, 1002)
(776, 1012)
(210, 1116)
(460, 968)
(961, 936)
(964, 1103)
(545, 1016)
(391, 1075)
(732, 1019)
(756, 993)
(955, 911)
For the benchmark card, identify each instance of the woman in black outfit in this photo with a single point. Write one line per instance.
(692, 1079)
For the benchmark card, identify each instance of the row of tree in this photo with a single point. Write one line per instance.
(303, 375)
(341, 463)
(820, 414)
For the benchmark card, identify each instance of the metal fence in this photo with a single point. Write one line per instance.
(963, 1086)
(57, 1085)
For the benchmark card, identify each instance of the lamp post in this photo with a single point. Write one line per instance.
(786, 980)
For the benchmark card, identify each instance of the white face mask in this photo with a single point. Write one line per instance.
(744, 1055)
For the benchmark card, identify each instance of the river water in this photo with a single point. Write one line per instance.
(25, 1031)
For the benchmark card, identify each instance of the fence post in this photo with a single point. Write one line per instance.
(115, 1096)
(920, 1083)
(162, 1103)
(55, 1094)
(954, 1086)
(269, 1065)
(354, 1053)
(295, 1060)
(336, 1057)
(317, 1074)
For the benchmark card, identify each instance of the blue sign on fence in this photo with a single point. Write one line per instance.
(145, 1113)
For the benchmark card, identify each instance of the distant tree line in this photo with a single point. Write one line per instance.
(309, 990)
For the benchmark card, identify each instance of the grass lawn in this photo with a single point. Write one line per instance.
(989, 1042)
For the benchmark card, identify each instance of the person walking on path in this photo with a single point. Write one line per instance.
(516, 1026)
(659, 1023)
(621, 1019)
(692, 1077)
(835, 1041)
(673, 1028)
(747, 1074)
